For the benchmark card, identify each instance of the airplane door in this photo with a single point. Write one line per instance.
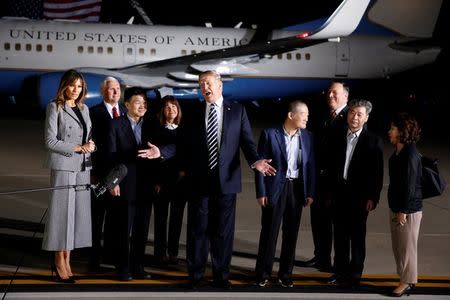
(342, 58)
(129, 53)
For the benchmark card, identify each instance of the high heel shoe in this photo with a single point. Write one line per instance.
(58, 278)
(406, 291)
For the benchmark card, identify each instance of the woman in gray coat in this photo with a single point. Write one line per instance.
(67, 138)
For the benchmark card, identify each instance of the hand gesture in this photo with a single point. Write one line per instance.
(151, 152)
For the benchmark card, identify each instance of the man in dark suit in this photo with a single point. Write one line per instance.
(101, 115)
(210, 159)
(321, 211)
(283, 196)
(356, 179)
(131, 206)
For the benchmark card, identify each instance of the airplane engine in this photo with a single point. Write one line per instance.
(48, 85)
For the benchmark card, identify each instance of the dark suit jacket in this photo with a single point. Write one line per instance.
(405, 190)
(272, 145)
(365, 171)
(100, 131)
(324, 134)
(236, 134)
(123, 149)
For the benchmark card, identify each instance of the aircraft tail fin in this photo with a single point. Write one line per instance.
(343, 21)
(412, 18)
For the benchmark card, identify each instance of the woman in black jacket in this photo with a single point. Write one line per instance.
(405, 198)
(168, 187)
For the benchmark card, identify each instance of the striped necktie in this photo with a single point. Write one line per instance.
(211, 137)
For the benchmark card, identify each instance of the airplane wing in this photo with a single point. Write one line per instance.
(182, 71)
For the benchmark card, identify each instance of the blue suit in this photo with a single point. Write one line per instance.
(272, 145)
(286, 198)
(211, 208)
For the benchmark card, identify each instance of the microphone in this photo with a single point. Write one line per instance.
(113, 178)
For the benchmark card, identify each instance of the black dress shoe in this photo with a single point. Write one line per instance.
(58, 278)
(142, 275)
(312, 263)
(286, 282)
(173, 260)
(196, 283)
(262, 282)
(161, 261)
(406, 291)
(337, 280)
(124, 276)
(221, 284)
(354, 284)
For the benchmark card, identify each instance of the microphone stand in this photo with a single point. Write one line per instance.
(62, 187)
(78, 187)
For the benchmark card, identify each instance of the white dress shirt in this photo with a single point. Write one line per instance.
(294, 153)
(109, 107)
(352, 139)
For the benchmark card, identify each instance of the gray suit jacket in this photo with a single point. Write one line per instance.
(63, 131)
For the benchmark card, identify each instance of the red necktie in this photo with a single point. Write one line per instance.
(115, 112)
(333, 114)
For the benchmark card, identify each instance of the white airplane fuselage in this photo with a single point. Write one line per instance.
(29, 47)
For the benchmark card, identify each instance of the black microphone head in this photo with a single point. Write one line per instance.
(113, 178)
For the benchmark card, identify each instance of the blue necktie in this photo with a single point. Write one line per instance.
(211, 137)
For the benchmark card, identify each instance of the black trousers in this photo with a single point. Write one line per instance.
(349, 234)
(210, 225)
(286, 211)
(172, 196)
(128, 222)
(98, 212)
(322, 228)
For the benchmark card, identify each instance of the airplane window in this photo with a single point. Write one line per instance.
(80, 49)
(109, 50)
(28, 47)
(100, 50)
(38, 47)
(153, 51)
(280, 56)
(17, 47)
(298, 56)
(141, 51)
(183, 52)
(289, 56)
(90, 49)
(7, 46)
(307, 56)
(129, 51)
(49, 48)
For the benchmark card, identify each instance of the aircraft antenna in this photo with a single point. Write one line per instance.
(135, 4)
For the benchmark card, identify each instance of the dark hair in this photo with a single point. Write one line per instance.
(133, 91)
(69, 77)
(292, 106)
(408, 128)
(169, 99)
(361, 103)
(344, 85)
